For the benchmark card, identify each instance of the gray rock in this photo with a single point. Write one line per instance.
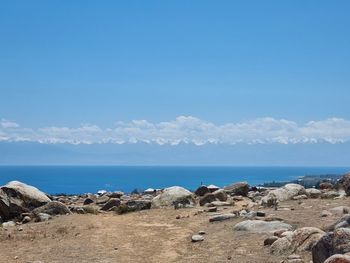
(255, 196)
(80, 210)
(344, 221)
(102, 200)
(42, 217)
(172, 195)
(294, 256)
(197, 238)
(243, 212)
(220, 203)
(337, 242)
(284, 193)
(330, 195)
(222, 217)
(8, 224)
(302, 239)
(241, 188)
(313, 193)
(248, 215)
(338, 258)
(220, 195)
(17, 198)
(137, 205)
(53, 208)
(207, 198)
(299, 197)
(113, 202)
(201, 191)
(117, 194)
(88, 201)
(259, 226)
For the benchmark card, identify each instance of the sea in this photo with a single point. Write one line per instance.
(90, 179)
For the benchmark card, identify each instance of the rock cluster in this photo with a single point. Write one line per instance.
(22, 204)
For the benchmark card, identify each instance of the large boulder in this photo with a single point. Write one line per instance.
(207, 198)
(344, 183)
(201, 191)
(172, 196)
(302, 239)
(17, 198)
(113, 202)
(260, 226)
(52, 208)
(132, 205)
(338, 259)
(241, 188)
(337, 242)
(220, 195)
(313, 193)
(284, 193)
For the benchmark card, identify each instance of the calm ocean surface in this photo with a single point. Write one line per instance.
(83, 179)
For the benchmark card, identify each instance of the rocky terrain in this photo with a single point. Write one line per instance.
(237, 223)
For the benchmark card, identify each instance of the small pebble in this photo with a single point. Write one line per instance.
(197, 238)
(293, 256)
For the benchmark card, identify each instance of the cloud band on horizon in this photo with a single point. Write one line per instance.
(185, 129)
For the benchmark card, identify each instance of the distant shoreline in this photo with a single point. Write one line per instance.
(90, 179)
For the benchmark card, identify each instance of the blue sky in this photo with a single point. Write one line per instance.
(77, 63)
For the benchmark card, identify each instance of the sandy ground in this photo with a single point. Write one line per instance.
(151, 236)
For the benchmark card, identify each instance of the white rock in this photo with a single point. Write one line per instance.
(259, 226)
(284, 193)
(197, 238)
(172, 195)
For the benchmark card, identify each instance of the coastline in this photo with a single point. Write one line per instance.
(89, 179)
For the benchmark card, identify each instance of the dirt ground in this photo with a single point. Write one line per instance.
(151, 236)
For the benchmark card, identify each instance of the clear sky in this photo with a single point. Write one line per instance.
(69, 63)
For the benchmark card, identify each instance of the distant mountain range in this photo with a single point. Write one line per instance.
(321, 154)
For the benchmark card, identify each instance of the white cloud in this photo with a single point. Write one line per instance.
(186, 129)
(8, 124)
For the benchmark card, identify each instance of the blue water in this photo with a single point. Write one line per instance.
(84, 179)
